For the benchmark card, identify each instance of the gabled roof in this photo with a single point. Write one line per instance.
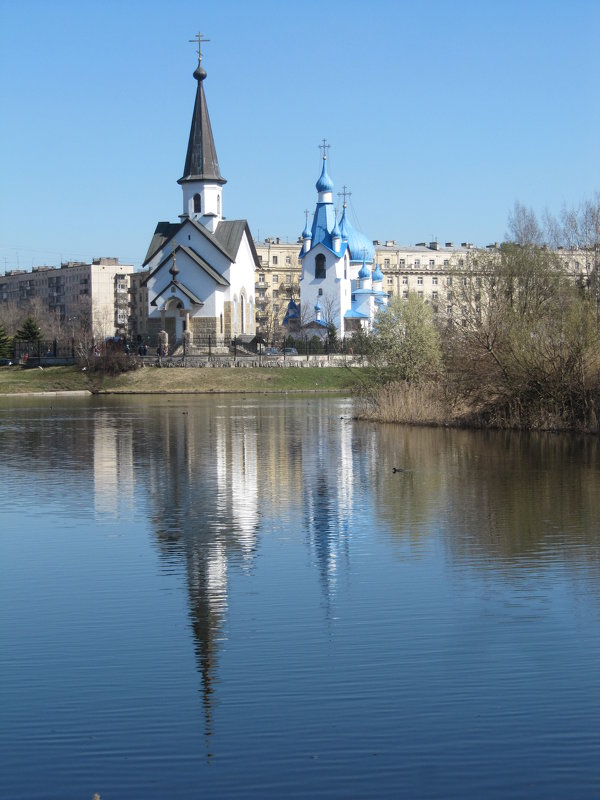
(351, 314)
(196, 258)
(163, 233)
(226, 239)
(229, 233)
(183, 289)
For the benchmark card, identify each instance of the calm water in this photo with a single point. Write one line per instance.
(218, 597)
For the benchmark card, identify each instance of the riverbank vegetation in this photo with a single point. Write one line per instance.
(521, 351)
(151, 380)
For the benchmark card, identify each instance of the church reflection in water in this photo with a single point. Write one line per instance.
(215, 475)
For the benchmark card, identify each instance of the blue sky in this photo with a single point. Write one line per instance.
(439, 114)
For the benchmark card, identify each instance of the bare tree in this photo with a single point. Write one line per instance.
(523, 226)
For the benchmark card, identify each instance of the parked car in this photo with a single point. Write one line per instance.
(271, 351)
(289, 351)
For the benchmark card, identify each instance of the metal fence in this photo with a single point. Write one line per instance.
(43, 349)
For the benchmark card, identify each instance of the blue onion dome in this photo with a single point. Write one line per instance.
(324, 184)
(364, 273)
(317, 306)
(359, 246)
(377, 274)
(307, 233)
(335, 233)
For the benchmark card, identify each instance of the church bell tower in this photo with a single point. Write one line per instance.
(201, 182)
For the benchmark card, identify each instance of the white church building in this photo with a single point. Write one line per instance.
(201, 269)
(339, 285)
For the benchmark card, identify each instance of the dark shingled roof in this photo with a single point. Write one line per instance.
(201, 161)
(227, 238)
(164, 231)
(229, 233)
(182, 288)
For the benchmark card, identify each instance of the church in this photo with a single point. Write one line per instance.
(201, 269)
(338, 284)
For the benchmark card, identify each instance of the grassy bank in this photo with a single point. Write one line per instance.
(151, 380)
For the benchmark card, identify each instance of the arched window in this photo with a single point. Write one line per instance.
(197, 204)
(234, 315)
(320, 266)
(219, 204)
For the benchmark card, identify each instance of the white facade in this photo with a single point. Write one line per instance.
(337, 285)
(201, 270)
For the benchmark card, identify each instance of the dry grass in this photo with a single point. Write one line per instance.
(428, 404)
(413, 404)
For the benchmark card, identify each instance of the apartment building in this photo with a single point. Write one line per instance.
(100, 287)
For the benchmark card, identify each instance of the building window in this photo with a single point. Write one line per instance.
(434, 295)
(446, 262)
(275, 293)
(275, 278)
(320, 292)
(261, 293)
(275, 260)
(288, 259)
(405, 294)
(390, 295)
(449, 280)
(275, 308)
(261, 278)
(420, 294)
(288, 279)
(420, 280)
(431, 263)
(386, 262)
(197, 204)
(390, 280)
(402, 263)
(404, 280)
(449, 310)
(461, 262)
(434, 280)
(417, 263)
(320, 266)
(577, 266)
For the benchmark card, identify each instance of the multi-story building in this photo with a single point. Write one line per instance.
(138, 306)
(98, 290)
(276, 282)
(429, 269)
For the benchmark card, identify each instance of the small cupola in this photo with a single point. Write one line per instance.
(324, 185)
(336, 236)
(377, 276)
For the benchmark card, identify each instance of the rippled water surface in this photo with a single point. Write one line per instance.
(236, 597)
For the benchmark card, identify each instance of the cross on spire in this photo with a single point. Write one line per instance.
(324, 147)
(198, 39)
(306, 213)
(345, 193)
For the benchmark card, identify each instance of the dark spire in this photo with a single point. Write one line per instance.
(201, 163)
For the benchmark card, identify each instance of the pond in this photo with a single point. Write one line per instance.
(230, 596)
